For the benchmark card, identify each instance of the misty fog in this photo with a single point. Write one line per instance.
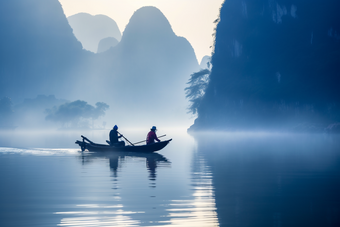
(91, 30)
(141, 77)
(257, 78)
(253, 126)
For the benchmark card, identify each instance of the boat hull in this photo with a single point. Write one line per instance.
(104, 148)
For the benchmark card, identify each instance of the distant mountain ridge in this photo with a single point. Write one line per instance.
(142, 78)
(106, 43)
(150, 61)
(90, 30)
(148, 21)
(206, 60)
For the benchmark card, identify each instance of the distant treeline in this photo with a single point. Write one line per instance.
(49, 112)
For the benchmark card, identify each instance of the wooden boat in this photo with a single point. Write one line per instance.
(86, 144)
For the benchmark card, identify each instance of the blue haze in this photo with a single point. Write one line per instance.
(275, 66)
(150, 66)
(90, 30)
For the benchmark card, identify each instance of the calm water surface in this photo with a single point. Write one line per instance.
(213, 179)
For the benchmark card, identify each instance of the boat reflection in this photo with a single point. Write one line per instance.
(152, 160)
(120, 189)
(177, 201)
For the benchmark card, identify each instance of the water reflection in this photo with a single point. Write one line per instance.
(123, 207)
(64, 187)
(183, 197)
(201, 210)
(233, 179)
(265, 179)
(152, 160)
(99, 218)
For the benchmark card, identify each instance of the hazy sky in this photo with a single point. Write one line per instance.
(192, 19)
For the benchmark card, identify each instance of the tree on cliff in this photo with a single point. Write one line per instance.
(198, 83)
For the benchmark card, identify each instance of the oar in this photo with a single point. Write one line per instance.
(126, 139)
(145, 140)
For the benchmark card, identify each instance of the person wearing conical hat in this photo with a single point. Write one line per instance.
(151, 137)
(114, 137)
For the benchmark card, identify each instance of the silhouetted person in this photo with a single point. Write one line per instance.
(151, 137)
(114, 137)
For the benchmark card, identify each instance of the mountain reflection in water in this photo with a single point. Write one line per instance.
(216, 179)
(263, 179)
